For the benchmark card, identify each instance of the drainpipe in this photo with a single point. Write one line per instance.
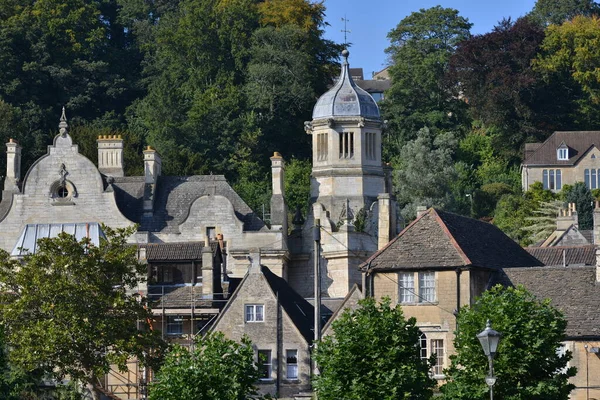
(458, 273)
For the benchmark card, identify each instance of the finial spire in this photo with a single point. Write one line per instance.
(62, 125)
(345, 54)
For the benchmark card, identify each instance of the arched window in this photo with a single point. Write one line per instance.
(422, 345)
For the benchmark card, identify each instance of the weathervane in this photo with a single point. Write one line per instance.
(345, 31)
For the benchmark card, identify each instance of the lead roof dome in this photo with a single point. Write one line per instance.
(345, 98)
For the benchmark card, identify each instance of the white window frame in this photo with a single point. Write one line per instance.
(175, 325)
(267, 363)
(427, 289)
(254, 313)
(406, 288)
(562, 153)
(291, 370)
(438, 368)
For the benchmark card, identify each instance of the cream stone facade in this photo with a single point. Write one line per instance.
(564, 158)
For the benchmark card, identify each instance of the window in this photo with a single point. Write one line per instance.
(264, 364)
(591, 178)
(437, 348)
(422, 346)
(407, 287)
(562, 153)
(346, 144)
(586, 178)
(211, 233)
(175, 325)
(321, 147)
(370, 145)
(552, 179)
(255, 313)
(291, 360)
(427, 286)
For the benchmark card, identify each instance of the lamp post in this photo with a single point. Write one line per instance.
(489, 339)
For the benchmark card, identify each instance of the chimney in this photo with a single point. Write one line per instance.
(254, 258)
(152, 165)
(384, 220)
(421, 210)
(110, 155)
(566, 218)
(208, 289)
(278, 206)
(13, 166)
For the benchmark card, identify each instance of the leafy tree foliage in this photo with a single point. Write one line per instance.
(67, 309)
(571, 57)
(297, 185)
(421, 46)
(425, 171)
(494, 74)
(527, 364)
(217, 368)
(373, 354)
(583, 199)
(546, 12)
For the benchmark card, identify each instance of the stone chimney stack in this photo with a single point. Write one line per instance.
(152, 165)
(421, 210)
(208, 277)
(254, 258)
(566, 218)
(110, 155)
(13, 166)
(278, 206)
(596, 223)
(384, 220)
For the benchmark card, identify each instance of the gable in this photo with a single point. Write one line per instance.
(578, 142)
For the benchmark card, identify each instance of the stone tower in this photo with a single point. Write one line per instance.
(346, 141)
(350, 194)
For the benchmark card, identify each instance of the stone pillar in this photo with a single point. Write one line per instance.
(278, 206)
(254, 258)
(597, 264)
(13, 166)
(207, 273)
(110, 155)
(152, 165)
(384, 222)
(596, 239)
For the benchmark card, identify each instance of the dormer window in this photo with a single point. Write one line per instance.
(562, 153)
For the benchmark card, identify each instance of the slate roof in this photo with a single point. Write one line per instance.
(177, 297)
(442, 240)
(374, 85)
(573, 290)
(578, 142)
(300, 311)
(175, 251)
(173, 199)
(573, 255)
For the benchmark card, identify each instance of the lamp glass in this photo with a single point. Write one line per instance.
(489, 340)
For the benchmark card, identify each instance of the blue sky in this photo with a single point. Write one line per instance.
(370, 22)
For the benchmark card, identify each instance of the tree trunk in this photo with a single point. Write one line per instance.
(92, 387)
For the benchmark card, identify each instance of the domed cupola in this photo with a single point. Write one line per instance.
(346, 99)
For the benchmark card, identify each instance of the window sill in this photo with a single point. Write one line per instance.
(266, 381)
(432, 303)
(291, 380)
(439, 377)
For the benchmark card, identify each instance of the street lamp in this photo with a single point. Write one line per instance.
(489, 339)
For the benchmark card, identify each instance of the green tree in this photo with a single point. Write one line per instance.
(216, 369)
(546, 12)
(420, 49)
(512, 211)
(69, 310)
(527, 365)
(570, 58)
(297, 185)
(543, 223)
(424, 172)
(583, 199)
(373, 354)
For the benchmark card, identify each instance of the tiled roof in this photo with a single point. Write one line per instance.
(573, 255)
(177, 297)
(578, 142)
(300, 311)
(173, 199)
(440, 239)
(175, 251)
(573, 290)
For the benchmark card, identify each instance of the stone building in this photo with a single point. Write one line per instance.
(279, 322)
(564, 158)
(439, 263)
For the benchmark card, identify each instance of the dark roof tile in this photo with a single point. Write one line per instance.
(573, 290)
(573, 255)
(440, 239)
(579, 142)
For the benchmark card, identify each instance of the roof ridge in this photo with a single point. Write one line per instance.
(453, 240)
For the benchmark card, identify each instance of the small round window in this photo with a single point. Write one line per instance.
(62, 192)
